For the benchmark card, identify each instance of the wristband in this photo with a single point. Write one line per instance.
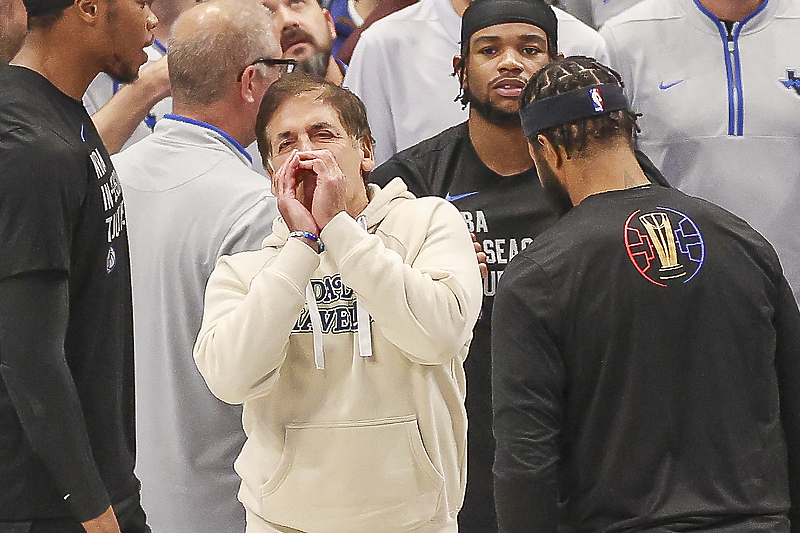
(311, 236)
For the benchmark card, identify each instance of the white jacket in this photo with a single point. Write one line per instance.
(172, 180)
(367, 444)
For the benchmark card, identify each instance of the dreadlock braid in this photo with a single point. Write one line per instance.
(572, 73)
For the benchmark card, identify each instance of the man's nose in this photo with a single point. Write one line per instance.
(510, 60)
(304, 143)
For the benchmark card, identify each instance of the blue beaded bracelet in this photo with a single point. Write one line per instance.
(309, 235)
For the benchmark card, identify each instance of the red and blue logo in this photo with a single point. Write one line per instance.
(665, 246)
(597, 100)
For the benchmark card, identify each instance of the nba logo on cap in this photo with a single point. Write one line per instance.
(597, 100)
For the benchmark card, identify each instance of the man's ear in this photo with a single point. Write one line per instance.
(367, 155)
(246, 88)
(542, 147)
(331, 23)
(89, 10)
(459, 71)
(253, 85)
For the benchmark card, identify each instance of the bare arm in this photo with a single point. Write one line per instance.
(105, 523)
(118, 118)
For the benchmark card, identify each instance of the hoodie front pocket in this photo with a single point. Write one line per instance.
(363, 476)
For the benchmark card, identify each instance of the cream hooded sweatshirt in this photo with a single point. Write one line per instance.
(359, 435)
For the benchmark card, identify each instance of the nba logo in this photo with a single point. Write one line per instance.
(597, 100)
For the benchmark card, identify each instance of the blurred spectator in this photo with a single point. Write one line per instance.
(306, 31)
(192, 196)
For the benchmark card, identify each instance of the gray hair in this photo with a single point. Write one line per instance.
(204, 64)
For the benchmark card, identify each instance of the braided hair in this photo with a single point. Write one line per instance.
(577, 72)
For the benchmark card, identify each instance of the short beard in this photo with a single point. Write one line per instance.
(316, 64)
(493, 114)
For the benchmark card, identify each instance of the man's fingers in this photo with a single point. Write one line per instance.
(284, 180)
(479, 253)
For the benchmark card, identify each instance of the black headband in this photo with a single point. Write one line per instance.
(586, 102)
(481, 14)
(37, 8)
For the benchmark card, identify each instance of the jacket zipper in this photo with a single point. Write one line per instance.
(733, 66)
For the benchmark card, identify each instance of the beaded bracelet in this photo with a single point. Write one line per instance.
(311, 236)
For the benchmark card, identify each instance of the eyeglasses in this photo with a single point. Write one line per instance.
(285, 66)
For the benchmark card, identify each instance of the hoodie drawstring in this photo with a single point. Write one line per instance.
(316, 327)
(364, 329)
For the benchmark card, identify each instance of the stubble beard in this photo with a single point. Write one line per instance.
(491, 113)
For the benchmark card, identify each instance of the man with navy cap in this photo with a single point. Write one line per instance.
(483, 167)
(646, 348)
(67, 429)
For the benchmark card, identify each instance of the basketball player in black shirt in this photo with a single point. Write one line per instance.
(67, 439)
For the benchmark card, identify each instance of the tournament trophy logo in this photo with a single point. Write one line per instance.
(665, 246)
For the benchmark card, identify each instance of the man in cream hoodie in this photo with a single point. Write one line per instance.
(345, 336)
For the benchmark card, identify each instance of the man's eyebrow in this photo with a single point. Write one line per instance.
(321, 125)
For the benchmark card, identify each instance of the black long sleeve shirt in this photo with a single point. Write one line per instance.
(67, 435)
(646, 356)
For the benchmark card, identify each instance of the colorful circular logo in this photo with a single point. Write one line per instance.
(664, 245)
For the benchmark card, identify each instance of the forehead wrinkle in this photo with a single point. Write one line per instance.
(528, 37)
(487, 39)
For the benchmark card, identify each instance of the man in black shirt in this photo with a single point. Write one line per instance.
(646, 348)
(67, 439)
(484, 168)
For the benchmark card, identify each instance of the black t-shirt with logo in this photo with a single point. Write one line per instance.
(646, 360)
(505, 213)
(62, 215)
